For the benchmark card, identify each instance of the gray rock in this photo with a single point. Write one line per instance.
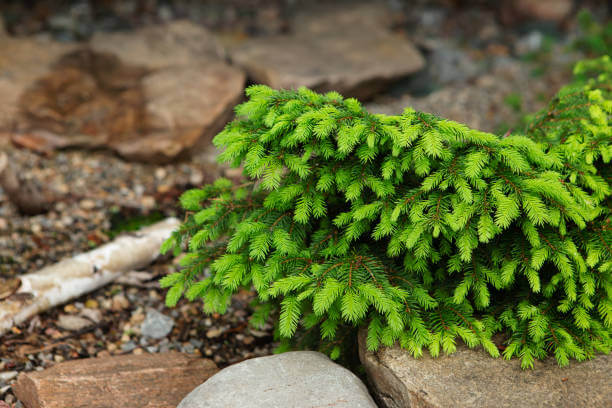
(480, 105)
(471, 378)
(129, 346)
(156, 325)
(95, 315)
(531, 42)
(298, 379)
(349, 50)
(449, 64)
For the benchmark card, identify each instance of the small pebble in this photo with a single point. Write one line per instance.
(87, 204)
(129, 346)
(120, 302)
(70, 308)
(214, 333)
(92, 304)
(160, 173)
(147, 201)
(95, 315)
(7, 376)
(72, 322)
(156, 325)
(197, 343)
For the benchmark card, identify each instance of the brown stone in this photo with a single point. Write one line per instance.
(472, 378)
(148, 380)
(22, 62)
(152, 94)
(517, 11)
(185, 107)
(161, 46)
(349, 50)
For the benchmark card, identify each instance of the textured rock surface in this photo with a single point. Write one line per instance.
(22, 61)
(150, 380)
(163, 46)
(350, 50)
(471, 378)
(302, 379)
(481, 105)
(152, 94)
(185, 106)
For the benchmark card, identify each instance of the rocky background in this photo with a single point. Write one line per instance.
(107, 109)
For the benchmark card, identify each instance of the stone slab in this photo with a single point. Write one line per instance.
(153, 94)
(349, 50)
(471, 378)
(135, 381)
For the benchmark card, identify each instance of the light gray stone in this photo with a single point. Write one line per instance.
(471, 378)
(448, 64)
(300, 379)
(73, 323)
(349, 50)
(156, 325)
(7, 376)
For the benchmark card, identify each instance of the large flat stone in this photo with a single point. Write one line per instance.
(149, 380)
(347, 49)
(301, 379)
(160, 46)
(185, 106)
(471, 378)
(152, 94)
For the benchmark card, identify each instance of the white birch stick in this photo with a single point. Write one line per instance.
(68, 279)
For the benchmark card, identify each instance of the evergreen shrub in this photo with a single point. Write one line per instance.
(423, 230)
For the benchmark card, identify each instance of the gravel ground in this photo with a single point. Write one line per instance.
(120, 318)
(99, 195)
(96, 191)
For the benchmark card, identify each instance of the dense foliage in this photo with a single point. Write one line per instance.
(419, 228)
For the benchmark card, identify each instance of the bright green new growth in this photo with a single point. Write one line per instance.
(420, 228)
